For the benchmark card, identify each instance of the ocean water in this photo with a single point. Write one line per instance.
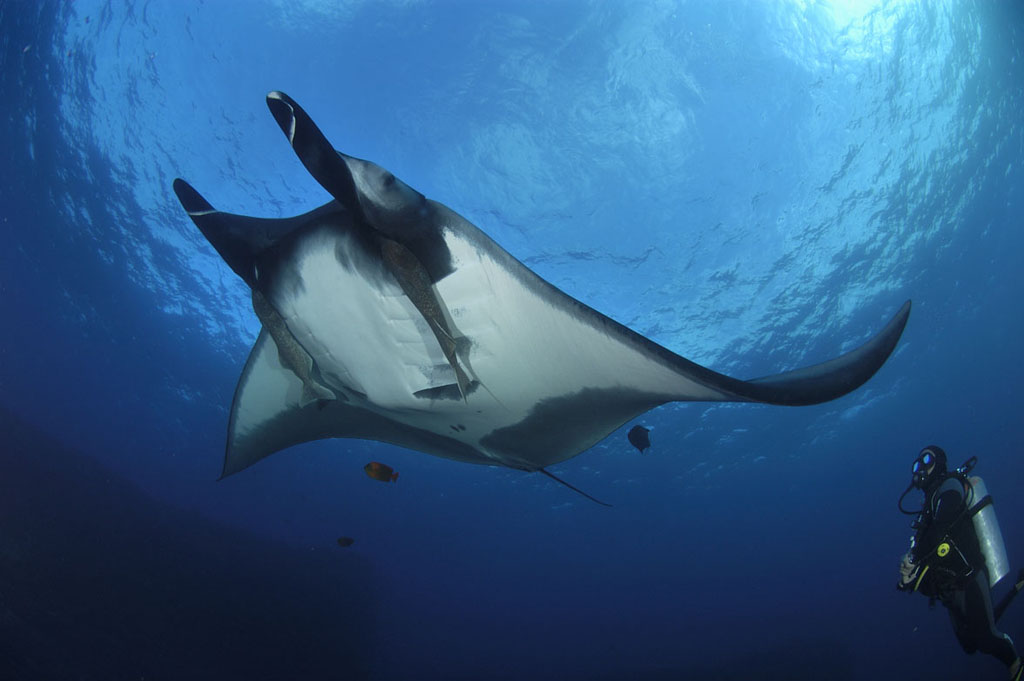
(754, 185)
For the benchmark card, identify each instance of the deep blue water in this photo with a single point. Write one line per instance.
(753, 185)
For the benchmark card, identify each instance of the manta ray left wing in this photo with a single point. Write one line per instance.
(387, 316)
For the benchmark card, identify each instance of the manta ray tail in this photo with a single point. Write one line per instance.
(574, 489)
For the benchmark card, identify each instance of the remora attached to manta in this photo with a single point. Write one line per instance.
(387, 316)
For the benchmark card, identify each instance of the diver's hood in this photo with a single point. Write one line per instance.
(924, 472)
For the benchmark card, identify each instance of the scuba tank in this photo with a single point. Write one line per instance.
(986, 526)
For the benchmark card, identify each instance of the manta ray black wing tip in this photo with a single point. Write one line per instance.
(283, 109)
(574, 489)
(834, 378)
(191, 200)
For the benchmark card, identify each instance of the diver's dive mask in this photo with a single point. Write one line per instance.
(929, 464)
(922, 468)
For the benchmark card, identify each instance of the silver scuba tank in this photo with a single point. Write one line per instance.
(986, 526)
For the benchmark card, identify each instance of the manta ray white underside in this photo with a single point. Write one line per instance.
(389, 317)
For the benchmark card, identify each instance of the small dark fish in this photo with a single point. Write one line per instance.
(379, 471)
(345, 542)
(639, 438)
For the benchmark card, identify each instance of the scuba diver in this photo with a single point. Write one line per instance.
(957, 555)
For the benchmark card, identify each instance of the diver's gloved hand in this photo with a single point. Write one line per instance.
(908, 572)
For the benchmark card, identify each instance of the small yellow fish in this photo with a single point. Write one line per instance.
(379, 471)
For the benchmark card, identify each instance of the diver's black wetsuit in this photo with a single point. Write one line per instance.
(966, 597)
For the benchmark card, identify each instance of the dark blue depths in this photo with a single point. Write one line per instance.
(751, 185)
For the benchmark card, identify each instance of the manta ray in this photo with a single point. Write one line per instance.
(388, 316)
